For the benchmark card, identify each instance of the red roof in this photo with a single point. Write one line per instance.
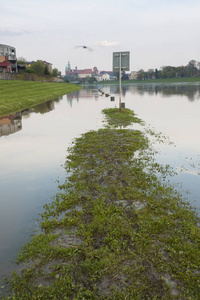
(85, 71)
(5, 64)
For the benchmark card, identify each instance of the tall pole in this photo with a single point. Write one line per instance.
(120, 83)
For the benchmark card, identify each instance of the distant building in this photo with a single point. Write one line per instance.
(8, 55)
(80, 73)
(47, 64)
(111, 73)
(29, 63)
(102, 77)
(68, 67)
(106, 75)
(5, 65)
(133, 75)
(95, 71)
(84, 73)
(21, 68)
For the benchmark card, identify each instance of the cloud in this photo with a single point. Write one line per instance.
(19, 31)
(106, 43)
(7, 32)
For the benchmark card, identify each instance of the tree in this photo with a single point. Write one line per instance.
(55, 72)
(124, 76)
(180, 72)
(46, 71)
(116, 73)
(168, 72)
(38, 67)
(91, 79)
(140, 75)
(21, 60)
(191, 68)
(30, 71)
(151, 74)
(156, 73)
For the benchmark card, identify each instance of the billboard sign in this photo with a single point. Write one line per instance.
(125, 61)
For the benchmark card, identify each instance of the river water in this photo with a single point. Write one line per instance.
(33, 148)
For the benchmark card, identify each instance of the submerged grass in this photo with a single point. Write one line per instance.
(114, 231)
(120, 118)
(16, 95)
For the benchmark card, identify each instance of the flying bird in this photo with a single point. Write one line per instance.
(85, 47)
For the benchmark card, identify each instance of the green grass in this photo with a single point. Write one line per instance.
(116, 118)
(115, 230)
(16, 95)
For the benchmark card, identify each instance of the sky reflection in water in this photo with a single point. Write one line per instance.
(31, 159)
(31, 163)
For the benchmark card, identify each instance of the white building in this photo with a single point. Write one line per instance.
(102, 77)
(84, 73)
(133, 75)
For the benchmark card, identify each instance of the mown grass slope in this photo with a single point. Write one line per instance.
(16, 95)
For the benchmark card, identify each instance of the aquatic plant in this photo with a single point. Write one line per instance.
(115, 230)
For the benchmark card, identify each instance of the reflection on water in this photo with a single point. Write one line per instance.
(86, 93)
(191, 91)
(31, 158)
(13, 123)
(31, 164)
(41, 108)
(10, 124)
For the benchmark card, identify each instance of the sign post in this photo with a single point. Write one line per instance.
(121, 62)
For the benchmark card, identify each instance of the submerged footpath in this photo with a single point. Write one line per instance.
(115, 230)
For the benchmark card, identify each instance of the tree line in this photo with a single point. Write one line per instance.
(192, 69)
(38, 68)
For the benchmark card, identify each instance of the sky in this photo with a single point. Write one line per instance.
(156, 32)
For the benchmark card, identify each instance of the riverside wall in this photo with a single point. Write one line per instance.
(29, 77)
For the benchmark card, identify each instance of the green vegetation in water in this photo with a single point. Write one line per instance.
(114, 231)
(17, 95)
(123, 117)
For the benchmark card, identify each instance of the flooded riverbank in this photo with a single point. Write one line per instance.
(32, 161)
(116, 229)
(31, 158)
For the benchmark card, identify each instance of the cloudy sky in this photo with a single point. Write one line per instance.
(156, 32)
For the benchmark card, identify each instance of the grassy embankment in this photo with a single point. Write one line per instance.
(17, 95)
(115, 230)
(164, 80)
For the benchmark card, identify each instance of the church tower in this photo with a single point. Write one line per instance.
(68, 68)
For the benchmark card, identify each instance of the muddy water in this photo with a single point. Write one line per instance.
(33, 147)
